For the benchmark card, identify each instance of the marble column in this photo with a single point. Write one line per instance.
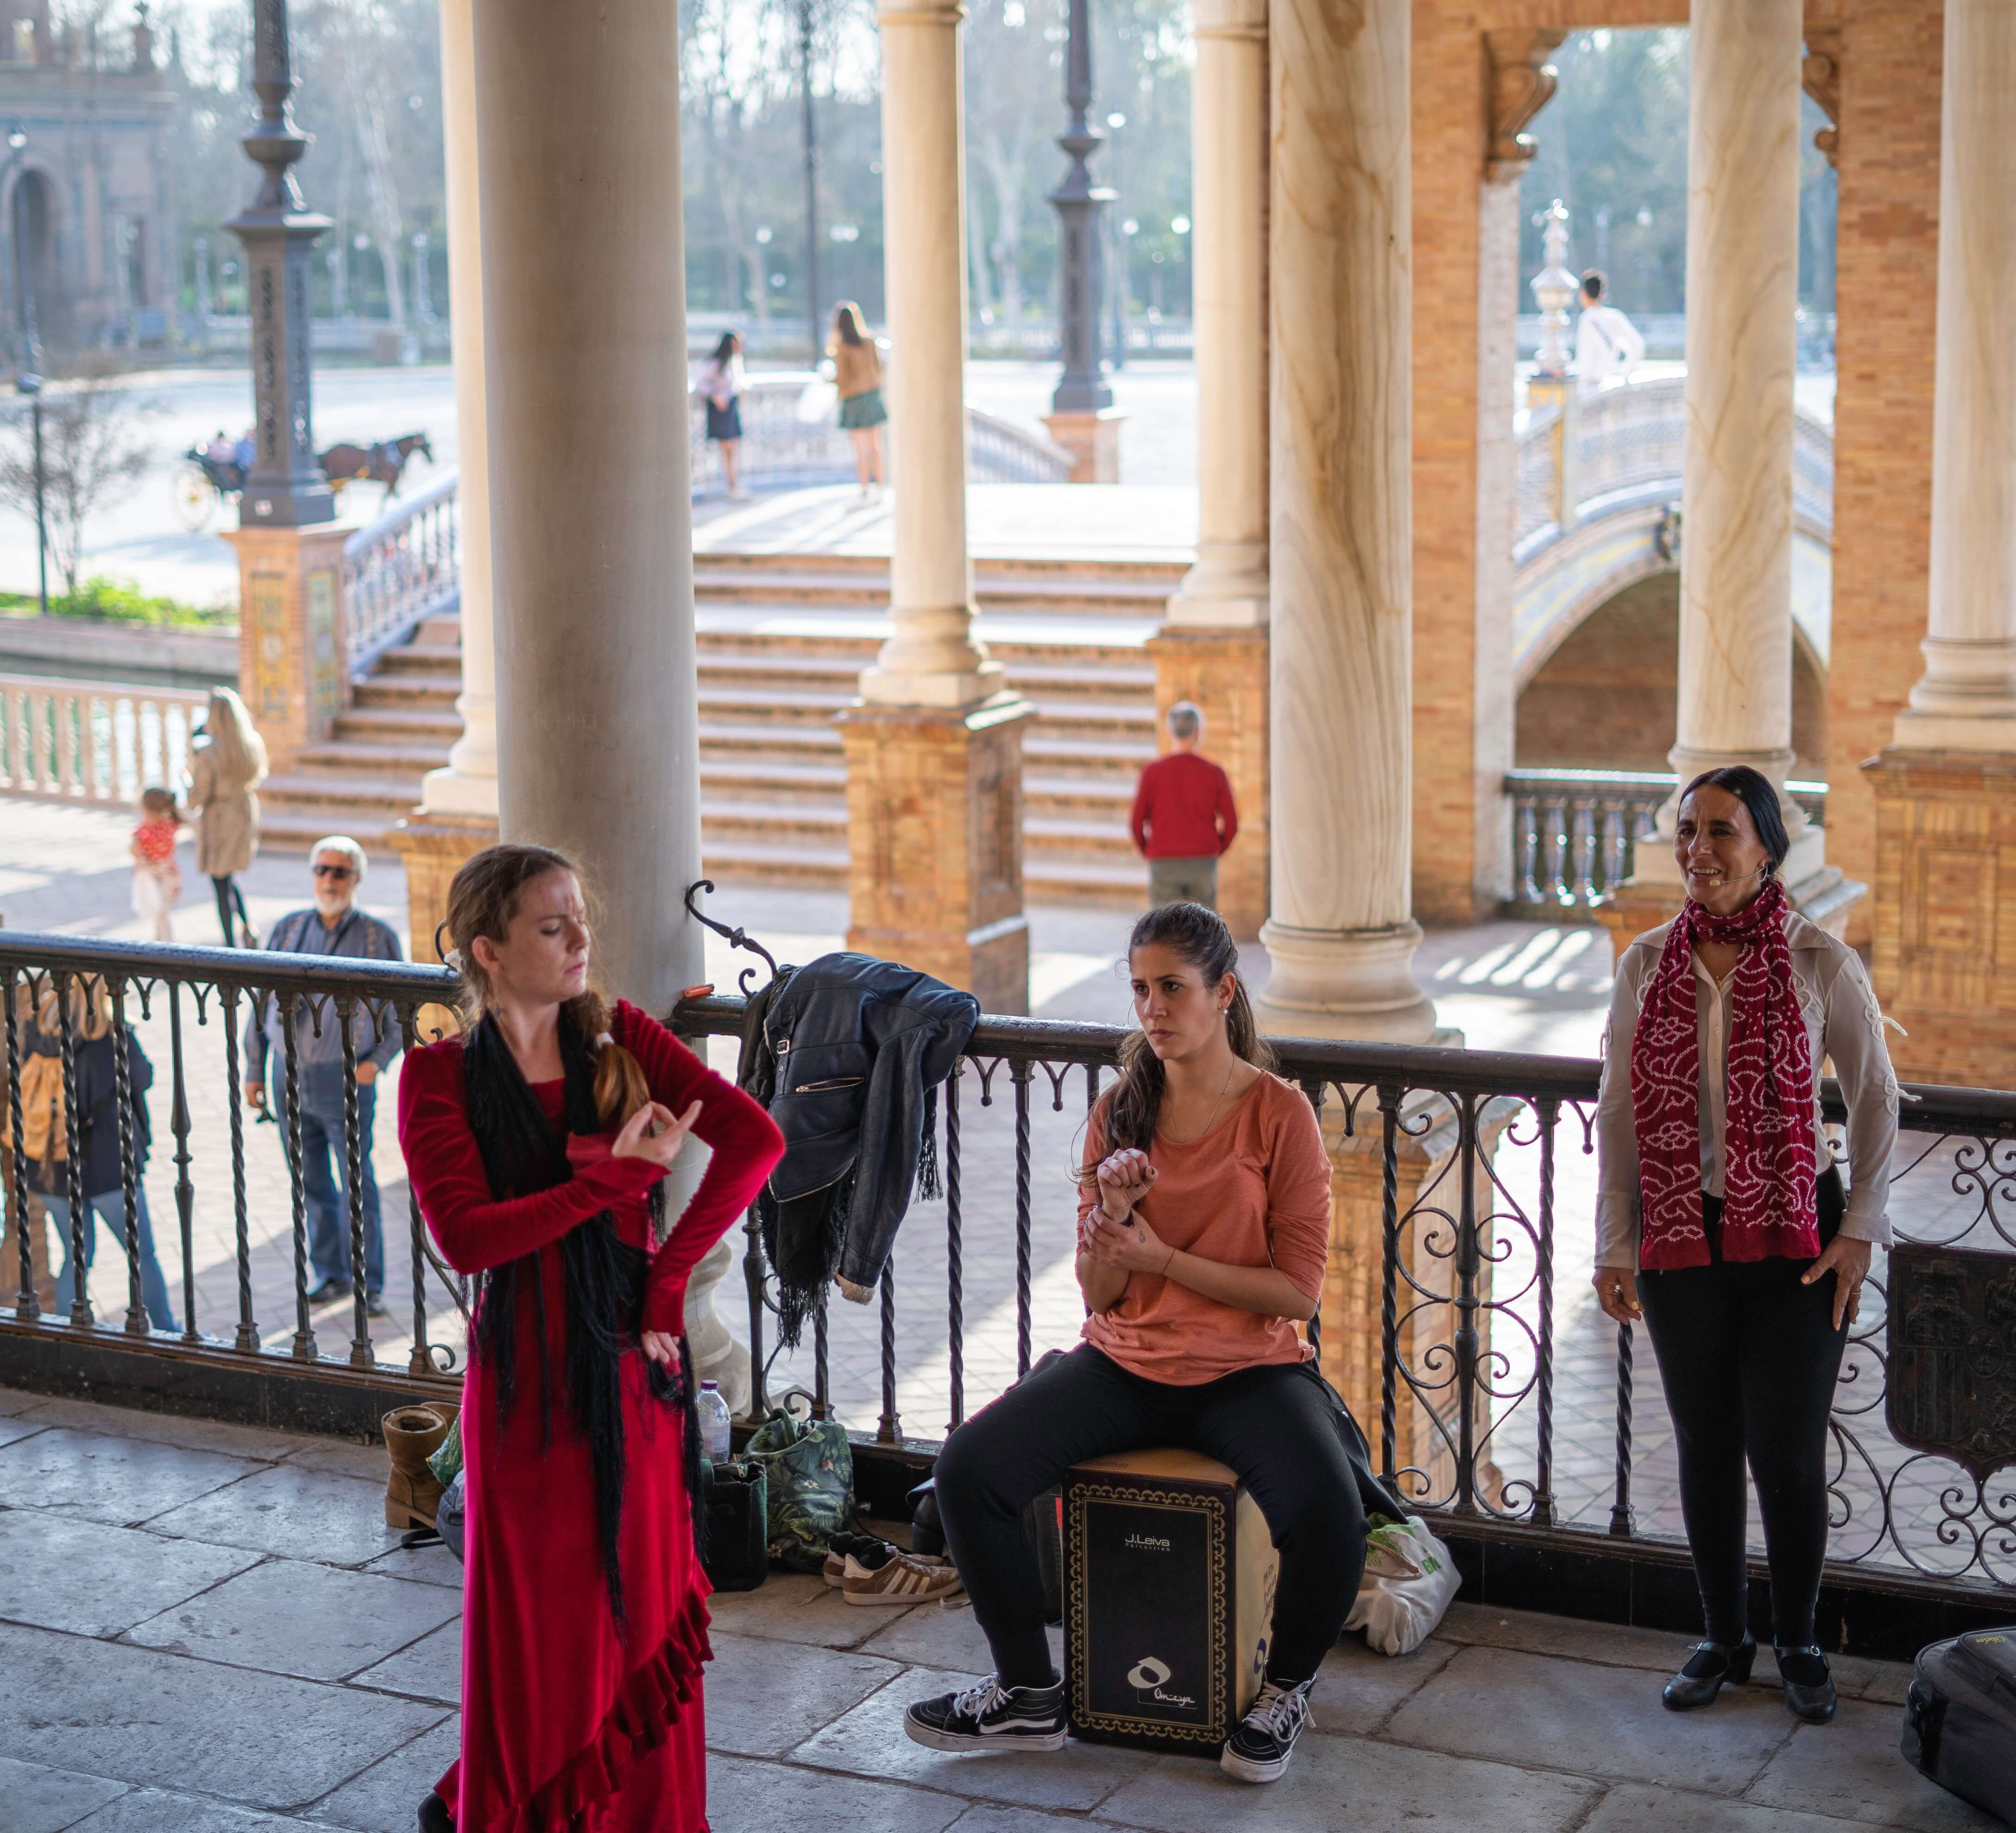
(1946, 788)
(457, 816)
(1340, 935)
(1735, 699)
(935, 748)
(1965, 699)
(584, 344)
(1213, 649)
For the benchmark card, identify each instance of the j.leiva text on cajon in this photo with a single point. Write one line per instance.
(1169, 1577)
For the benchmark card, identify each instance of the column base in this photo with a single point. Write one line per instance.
(1945, 912)
(934, 844)
(1346, 983)
(1353, 1298)
(293, 666)
(1227, 589)
(434, 849)
(1093, 441)
(1224, 672)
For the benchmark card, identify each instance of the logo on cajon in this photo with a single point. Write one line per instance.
(1149, 1678)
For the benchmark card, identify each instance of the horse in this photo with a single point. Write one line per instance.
(381, 463)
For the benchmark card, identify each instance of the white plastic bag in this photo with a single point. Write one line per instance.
(1409, 1580)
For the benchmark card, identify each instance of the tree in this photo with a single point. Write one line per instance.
(1009, 49)
(91, 445)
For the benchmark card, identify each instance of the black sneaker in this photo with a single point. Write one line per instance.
(989, 1716)
(328, 1291)
(1259, 1750)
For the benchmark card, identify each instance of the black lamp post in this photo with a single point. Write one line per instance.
(31, 385)
(287, 489)
(1082, 389)
(811, 183)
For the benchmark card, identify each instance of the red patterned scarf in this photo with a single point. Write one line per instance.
(1768, 1165)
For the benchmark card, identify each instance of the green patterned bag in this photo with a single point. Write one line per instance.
(809, 1469)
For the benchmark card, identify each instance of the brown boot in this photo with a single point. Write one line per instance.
(412, 1435)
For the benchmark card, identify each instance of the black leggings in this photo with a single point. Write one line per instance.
(1748, 1358)
(230, 903)
(1274, 1425)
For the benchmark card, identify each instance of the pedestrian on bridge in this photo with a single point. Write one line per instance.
(1607, 344)
(857, 378)
(1183, 816)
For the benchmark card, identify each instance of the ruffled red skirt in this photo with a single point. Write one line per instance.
(564, 1728)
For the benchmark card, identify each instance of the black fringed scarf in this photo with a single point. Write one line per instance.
(604, 1279)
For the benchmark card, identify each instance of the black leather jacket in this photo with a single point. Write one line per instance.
(847, 1054)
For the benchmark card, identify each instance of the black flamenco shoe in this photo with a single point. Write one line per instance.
(1710, 1667)
(1809, 1692)
(434, 1817)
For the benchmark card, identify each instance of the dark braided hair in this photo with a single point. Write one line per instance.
(1129, 1110)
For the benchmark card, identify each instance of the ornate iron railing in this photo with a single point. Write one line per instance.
(1458, 1315)
(1575, 833)
(405, 566)
(95, 742)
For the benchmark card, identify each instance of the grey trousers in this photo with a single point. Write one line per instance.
(1183, 881)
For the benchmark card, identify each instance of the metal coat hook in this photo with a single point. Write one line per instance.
(736, 938)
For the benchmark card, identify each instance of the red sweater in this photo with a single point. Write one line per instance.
(476, 1232)
(1183, 809)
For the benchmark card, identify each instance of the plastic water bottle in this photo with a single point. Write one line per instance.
(713, 1423)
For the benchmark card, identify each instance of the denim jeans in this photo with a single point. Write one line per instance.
(326, 1173)
(108, 1206)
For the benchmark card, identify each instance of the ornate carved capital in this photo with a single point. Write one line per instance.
(1522, 83)
(1820, 74)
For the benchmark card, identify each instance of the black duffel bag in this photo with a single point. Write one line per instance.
(1960, 1718)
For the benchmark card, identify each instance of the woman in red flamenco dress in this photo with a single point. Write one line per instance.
(537, 1141)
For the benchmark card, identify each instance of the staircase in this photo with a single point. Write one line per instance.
(782, 638)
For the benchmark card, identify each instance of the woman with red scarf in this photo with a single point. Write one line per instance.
(538, 1142)
(1722, 1220)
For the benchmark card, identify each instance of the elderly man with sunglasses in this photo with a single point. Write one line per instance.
(335, 926)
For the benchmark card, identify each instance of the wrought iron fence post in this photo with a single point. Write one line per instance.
(304, 1338)
(82, 1226)
(891, 1430)
(1468, 1258)
(361, 1355)
(1622, 1521)
(1390, 1096)
(138, 1323)
(1020, 1073)
(955, 1254)
(248, 1329)
(27, 1306)
(178, 1123)
(1549, 1110)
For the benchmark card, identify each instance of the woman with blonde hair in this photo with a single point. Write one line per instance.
(857, 377)
(538, 1141)
(225, 763)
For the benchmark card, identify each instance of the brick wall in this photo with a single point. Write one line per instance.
(1887, 264)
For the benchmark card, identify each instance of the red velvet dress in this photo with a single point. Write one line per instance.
(564, 1728)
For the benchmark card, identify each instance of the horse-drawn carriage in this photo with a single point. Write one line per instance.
(202, 482)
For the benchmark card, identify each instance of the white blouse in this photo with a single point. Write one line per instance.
(1843, 1022)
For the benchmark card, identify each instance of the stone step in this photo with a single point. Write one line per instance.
(350, 757)
(1166, 575)
(390, 796)
(1073, 838)
(1050, 878)
(759, 863)
(754, 739)
(399, 725)
(407, 690)
(1077, 798)
(773, 822)
(802, 671)
(786, 778)
(992, 592)
(419, 658)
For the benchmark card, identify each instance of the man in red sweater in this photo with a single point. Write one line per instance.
(1183, 817)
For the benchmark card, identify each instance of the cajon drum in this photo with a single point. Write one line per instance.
(1169, 1578)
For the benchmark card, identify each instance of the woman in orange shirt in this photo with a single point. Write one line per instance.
(1204, 1225)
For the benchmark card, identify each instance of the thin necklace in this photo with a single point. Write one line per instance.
(1213, 1121)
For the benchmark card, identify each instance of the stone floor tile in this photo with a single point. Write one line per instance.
(138, 1716)
(798, 1606)
(121, 1481)
(1358, 1690)
(764, 1698)
(290, 1617)
(299, 1514)
(156, 1810)
(745, 1797)
(425, 1566)
(14, 1400)
(870, 1741)
(256, 1442)
(1889, 1685)
(1351, 1785)
(932, 1635)
(1630, 1809)
(60, 1572)
(1612, 1644)
(1852, 1769)
(431, 1668)
(386, 1797)
(1518, 1708)
(46, 1801)
(1014, 1820)
(11, 1429)
(368, 1464)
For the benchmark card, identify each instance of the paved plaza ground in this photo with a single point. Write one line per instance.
(208, 1629)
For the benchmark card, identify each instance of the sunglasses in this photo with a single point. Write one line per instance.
(335, 871)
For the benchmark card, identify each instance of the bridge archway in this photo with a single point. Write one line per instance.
(1602, 696)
